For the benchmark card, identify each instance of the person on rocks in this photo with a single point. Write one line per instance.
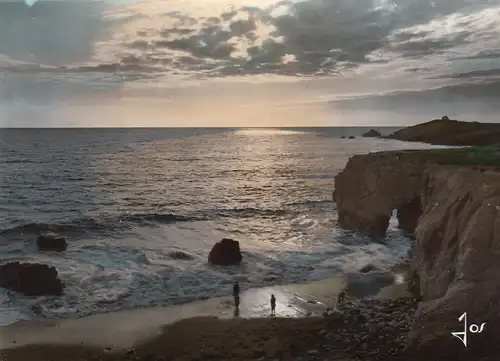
(236, 295)
(273, 305)
(341, 297)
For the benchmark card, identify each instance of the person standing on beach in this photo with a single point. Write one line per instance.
(236, 295)
(273, 305)
(341, 297)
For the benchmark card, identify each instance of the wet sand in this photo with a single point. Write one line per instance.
(190, 331)
(123, 330)
(199, 338)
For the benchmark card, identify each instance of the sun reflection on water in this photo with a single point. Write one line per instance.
(267, 131)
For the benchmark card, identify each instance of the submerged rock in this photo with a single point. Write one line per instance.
(30, 279)
(225, 253)
(51, 242)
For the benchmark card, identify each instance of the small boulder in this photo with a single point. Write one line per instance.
(372, 133)
(30, 279)
(51, 242)
(225, 253)
(351, 137)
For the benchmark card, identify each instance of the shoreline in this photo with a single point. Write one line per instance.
(121, 329)
(298, 305)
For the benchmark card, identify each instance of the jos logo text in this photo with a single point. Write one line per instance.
(462, 336)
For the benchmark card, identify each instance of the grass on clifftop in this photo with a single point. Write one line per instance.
(469, 156)
(486, 156)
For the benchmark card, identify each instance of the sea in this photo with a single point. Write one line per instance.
(141, 209)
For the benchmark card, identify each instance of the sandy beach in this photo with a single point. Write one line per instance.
(200, 330)
(122, 330)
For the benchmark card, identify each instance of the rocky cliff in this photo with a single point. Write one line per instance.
(456, 255)
(373, 185)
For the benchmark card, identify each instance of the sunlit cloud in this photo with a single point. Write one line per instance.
(198, 39)
(78, 48)
(288, 58)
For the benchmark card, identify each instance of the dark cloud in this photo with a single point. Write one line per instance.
(450, 93)
(176, 32)
(325, 37)
(486, 74)
(424, 47)
(466, 101)
(183, 19)
(322, 37)
(418, 69)
(481, 55)
(242, 27)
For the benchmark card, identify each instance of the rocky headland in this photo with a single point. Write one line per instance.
(450, 200)
(447, 131)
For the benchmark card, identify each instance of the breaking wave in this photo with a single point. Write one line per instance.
(89, 224)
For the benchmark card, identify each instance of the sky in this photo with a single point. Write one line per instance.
(196, 63)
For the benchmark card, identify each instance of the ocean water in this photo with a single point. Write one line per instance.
(127, 199)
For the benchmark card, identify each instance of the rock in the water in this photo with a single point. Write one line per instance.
(30, 279)
(51, 242)
(351, 137)
(367, 284)
(368, 268)
(372, 133)
(225, 253)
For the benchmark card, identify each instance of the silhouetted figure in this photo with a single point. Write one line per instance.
(341, 297)
(236, 312)
(236, 294)
(273, 305)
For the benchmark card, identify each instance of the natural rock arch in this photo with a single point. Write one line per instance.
(372, 186)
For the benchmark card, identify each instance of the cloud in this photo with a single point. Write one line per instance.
(486, 74)
(324, 37)
(435, 39)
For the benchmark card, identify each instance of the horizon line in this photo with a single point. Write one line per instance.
(205, 127)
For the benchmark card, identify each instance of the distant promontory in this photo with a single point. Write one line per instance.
(447, 131)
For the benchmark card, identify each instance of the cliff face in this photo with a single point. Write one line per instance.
(456, 257)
